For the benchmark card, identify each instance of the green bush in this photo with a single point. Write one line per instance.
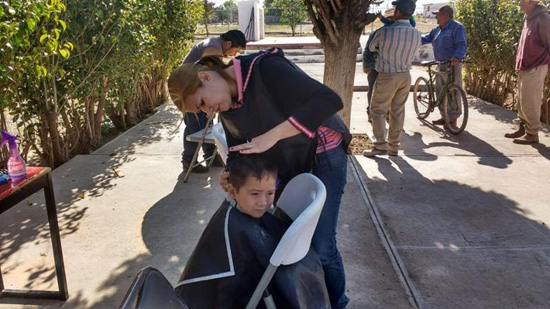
(68, 65)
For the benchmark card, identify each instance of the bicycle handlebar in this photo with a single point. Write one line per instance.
(429, 63)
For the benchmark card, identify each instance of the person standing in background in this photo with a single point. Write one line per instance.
(396, 46)
(369, 57)
(449, 44)
(532, 65)
(228, 44)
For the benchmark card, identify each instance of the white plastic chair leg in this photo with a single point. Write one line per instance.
(266, 278)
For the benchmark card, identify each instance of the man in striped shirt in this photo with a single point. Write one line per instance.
(396, 46)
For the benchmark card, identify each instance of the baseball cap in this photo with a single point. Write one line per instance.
(447, 9)
(405, 6)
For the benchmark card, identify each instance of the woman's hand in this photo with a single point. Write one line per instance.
(265, 141)
(224, 181)
(258, 144)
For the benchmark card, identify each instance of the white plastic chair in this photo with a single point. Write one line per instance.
(201, 137)
(302, 200)
(221, 142)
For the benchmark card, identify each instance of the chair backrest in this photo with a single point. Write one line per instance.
(219, 139)
(302, 200)
(150, 289)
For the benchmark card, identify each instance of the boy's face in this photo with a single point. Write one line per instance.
(254, 196)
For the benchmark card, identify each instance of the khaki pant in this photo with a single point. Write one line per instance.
(390, 94)
(530, 86)
(440, 80)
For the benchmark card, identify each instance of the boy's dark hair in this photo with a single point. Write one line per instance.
(255, 165)
(236, 37)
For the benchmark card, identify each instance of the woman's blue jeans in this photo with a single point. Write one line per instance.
(331, 168)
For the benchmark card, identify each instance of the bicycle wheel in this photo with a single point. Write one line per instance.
(422, 92)
(455, 109)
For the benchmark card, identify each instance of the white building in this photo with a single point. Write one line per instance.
(430, 7)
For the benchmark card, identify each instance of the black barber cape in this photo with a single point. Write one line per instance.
(231, 256)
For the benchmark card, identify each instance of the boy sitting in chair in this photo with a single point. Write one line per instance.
(235, 248)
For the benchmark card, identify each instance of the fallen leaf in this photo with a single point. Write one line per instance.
(118, 173)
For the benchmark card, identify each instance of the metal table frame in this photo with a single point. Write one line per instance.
(42, 181)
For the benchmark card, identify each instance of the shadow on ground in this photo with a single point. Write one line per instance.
(83, 177)
(461, 246)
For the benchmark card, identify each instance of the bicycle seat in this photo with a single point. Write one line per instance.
(428, 63)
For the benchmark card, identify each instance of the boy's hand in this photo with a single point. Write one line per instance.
(224, 181)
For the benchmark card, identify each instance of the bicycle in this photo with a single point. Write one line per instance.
(426, 100)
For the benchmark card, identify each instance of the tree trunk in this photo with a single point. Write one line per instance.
(4, 154)
(131, 113)
(338, 25)
(117, 117)
(58, 151)
(205, 18)
(164, 94)
(98, 115)
(340, 77)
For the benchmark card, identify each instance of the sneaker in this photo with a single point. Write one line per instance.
(393, 152)
(438, 122)
(527, 139)
(374, 152)
(199, 169)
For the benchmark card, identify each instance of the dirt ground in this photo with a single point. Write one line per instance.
(359, 143)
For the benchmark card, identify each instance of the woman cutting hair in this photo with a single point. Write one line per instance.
(267, 104)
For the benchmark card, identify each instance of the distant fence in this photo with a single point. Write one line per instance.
(272, 19)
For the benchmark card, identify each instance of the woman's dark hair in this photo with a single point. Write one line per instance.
(251, 165)
(236, 38)
(184, 80)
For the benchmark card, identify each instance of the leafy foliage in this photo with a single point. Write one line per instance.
(65, 66)
(228, 12)
(32, 52)
(292, 12)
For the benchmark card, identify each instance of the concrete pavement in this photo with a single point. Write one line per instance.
(466, 216)
(454, 221)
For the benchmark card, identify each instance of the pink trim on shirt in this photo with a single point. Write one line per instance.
(239, 78)
(301, 127)
(273, 51)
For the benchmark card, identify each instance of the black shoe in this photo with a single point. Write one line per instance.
(527, 139)
(519, 133)
(199, 169)
(439, 122)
